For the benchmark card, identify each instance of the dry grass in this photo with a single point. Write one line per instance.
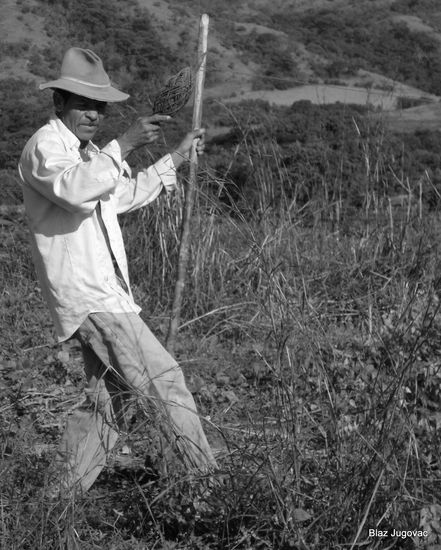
(311, 341)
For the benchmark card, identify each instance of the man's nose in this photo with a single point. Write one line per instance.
(92, 114)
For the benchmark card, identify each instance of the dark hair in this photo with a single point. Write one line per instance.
(58, 92)
(63, 93)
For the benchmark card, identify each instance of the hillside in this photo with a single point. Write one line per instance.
(381, 55)
(266, 45)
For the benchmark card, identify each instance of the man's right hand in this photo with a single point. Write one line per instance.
(143, 131)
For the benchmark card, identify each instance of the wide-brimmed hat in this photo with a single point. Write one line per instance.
(82, 73)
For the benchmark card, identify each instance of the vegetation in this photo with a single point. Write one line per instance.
(139, 61)
(415, 6)
(311, 342)
(275, 58)
(350, 39)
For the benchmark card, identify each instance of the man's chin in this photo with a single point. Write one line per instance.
(86, 134)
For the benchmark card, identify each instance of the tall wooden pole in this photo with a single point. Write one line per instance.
(184, 249)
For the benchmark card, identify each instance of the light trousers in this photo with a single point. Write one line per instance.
(123, 360)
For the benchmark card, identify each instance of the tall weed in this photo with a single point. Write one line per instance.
(326, 318)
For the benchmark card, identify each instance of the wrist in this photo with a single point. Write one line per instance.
(178, 158)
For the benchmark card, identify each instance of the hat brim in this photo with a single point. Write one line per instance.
(99, 93)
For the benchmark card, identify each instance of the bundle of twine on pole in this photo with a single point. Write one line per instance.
(184, 248)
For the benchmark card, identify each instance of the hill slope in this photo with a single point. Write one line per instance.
(266, 45)
(382, 53)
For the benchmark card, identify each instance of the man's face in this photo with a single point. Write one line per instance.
(82, 116)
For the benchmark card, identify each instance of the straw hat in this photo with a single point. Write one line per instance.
(82, 73)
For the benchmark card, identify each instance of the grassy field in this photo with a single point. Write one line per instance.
(310, 339)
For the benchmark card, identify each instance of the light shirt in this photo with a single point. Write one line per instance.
(72, 198)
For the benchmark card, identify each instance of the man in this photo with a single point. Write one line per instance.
(73, 193)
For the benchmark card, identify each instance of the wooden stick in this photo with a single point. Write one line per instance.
(184, 249)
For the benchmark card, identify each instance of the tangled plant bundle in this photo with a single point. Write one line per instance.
(175, 94)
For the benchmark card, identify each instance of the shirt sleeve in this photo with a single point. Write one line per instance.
(135, 192)
(70, 182)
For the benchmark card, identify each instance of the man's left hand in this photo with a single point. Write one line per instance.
(182, 152)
